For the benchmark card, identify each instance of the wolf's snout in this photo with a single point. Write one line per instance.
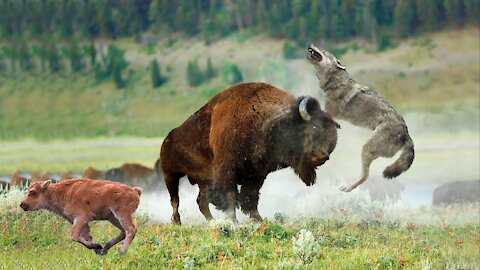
(314, 53)
(24, 206)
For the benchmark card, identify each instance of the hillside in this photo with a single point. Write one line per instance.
(433, 73)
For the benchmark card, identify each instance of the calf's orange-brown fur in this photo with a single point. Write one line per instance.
(83, 200)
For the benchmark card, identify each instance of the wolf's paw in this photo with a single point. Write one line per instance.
(346, 188)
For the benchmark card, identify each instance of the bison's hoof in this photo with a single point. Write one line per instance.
(256, 217)
(346, 189)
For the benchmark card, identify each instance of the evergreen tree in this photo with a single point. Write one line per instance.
(211, 72)
(53, 59)
(194, 75)
(427, 14)
(454, 10)
(232, 74)
(117, 77)
(157, 78)
(404, 17)
(75, 57)
(25, 58)
(154, 12)
(472, 8)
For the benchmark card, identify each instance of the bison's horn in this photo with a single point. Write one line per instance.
(302, 108)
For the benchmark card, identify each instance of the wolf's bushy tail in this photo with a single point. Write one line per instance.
(403, 162)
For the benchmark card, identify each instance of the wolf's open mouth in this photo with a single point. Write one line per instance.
(314, 54)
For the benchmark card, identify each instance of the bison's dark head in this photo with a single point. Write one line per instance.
(317, 137)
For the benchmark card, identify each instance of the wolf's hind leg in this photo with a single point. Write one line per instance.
(379, 145)
(367, 159)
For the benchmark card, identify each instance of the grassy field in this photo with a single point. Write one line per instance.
(435, 72)
(76, 155)
(40, 240)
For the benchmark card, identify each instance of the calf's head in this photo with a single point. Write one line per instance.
(35, 198)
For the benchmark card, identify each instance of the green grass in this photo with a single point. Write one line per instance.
(76, 155)
(40, 240)
(48, 111)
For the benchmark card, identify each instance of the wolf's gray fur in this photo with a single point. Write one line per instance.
(362, 106)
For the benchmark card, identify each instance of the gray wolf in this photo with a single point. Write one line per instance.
(362, 106)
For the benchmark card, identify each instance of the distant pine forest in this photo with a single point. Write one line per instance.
(53, 29)
(298, 20)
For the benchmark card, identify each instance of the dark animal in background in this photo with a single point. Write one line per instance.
(114, 174)
(239, 137)
(135, 174)
(362, 106)
(457, 192)
(82, 200)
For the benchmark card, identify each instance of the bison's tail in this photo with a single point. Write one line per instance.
(403, 162)
(158, 169)
(138, 190)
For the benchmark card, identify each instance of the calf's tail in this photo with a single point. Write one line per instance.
(138, 190)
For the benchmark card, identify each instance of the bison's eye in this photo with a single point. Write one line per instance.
(32, 193)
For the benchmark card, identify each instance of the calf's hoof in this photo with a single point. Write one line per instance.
(101, 251)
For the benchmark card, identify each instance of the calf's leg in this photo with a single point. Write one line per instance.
(118, 238)
(76, 234)
(125, 220)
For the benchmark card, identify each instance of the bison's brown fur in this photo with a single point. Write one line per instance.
(92, 173)
(16, 179)
(239, 137)
(133, 174)
(37, 176)
(82, 200)
(66, 175)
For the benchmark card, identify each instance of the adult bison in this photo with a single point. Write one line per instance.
(239, 137)
(457, 192)
(134, 174)
(92, 173)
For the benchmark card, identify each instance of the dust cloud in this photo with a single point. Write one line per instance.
(447, 147)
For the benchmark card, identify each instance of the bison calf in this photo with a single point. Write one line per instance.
(83, 200)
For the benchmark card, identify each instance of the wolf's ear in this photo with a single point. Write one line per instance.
(339, 65)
